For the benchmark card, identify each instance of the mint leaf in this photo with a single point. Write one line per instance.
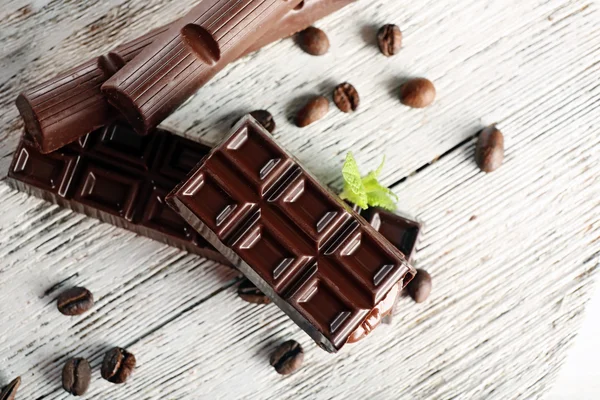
(367, 191)
(377, 172)
(354, 189)
(381, 199)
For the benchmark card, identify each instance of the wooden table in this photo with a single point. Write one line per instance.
(513, 254)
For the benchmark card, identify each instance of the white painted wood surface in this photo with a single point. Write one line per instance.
(509, 285)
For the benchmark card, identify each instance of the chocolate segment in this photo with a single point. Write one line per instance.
(71, 105)
(316, 258)
(401, 231)
(193, 50)
(119, 177)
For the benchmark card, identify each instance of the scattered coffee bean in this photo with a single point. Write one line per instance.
(316, 109)
(313, 41)
(417, 93)
(76, 376)
(75, 301)
(264, 118)
(346, 97)
(250, 293)
(288, 357)
(489, 153)
(420, 287)
(118, 364)
(9, 392)
(389, 39)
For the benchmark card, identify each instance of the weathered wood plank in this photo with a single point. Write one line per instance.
(510, 285)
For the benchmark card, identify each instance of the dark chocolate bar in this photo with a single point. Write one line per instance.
(314, 256)
(119, 177)
(193, 50)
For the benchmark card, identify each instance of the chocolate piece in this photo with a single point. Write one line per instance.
(119, 177)
(402, 232)
(325, 266)
(193, 50)
(58, 112)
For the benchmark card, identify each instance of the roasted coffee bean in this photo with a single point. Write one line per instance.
(389, 39)
(420, 287)
(417, 93)
(313, 41)
(264, 118)
(76, 376)
(250, 293)
(75, 301)
(316, 109)
(288, 357)
(346, 97)
(9, 392)
(489, 153)
(118, 364)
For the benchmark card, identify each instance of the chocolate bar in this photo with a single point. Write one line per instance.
(118, 177)
(193, 50)
(301, 17)
(314, 256)
(63, 109)
(70, 105)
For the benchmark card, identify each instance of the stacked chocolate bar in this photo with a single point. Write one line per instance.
(246, 202)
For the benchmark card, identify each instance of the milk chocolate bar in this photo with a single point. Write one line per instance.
(70, 105)
(182, 59)
(301, 17)
(314, 256)
(118, 177)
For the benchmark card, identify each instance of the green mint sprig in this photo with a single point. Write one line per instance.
(366, 191)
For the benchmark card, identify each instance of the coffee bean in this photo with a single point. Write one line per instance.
(489, 153)
(288, 357)
(346, 97)
(313, 41)
(417, 93)
(264, 118)
(389, 39)
(75, 301)
(118, 364)
(250, 293)
(316, 109)
(420, 287)
(9, 392)
(76, 376)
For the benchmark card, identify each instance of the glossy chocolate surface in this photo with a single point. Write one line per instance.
(70, 105)
(401, 231)
(318, 260)
(119, 177)
(182, 59)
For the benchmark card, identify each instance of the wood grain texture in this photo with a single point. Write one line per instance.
(509, 285)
